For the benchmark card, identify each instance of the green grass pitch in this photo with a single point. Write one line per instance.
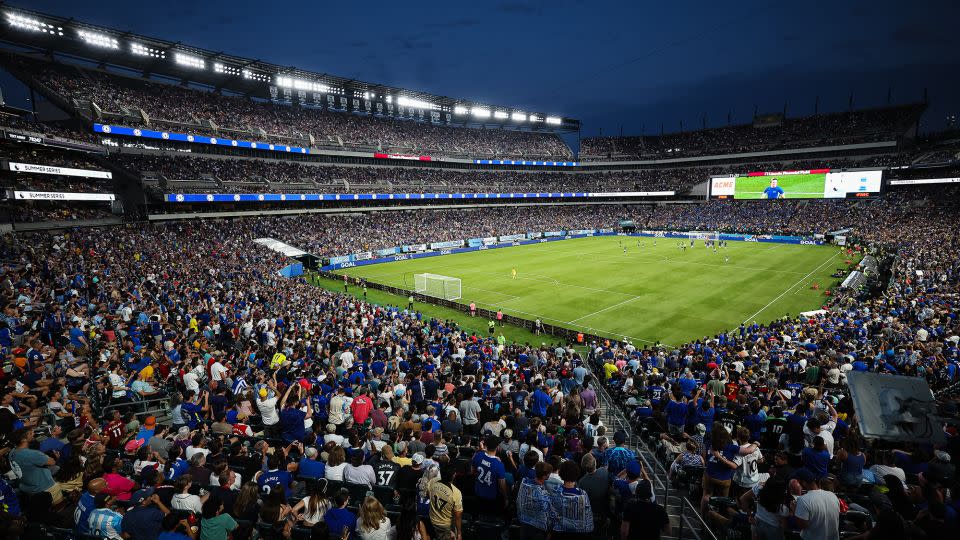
(647, 294)
(795, 186)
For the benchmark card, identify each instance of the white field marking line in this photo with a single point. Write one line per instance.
(790, 288)
(680, 261)
(598, 330)
(605, 309)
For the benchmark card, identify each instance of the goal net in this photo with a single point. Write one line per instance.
(703, 235)
(438, 286)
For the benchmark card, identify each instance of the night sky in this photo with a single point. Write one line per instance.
(613, 65)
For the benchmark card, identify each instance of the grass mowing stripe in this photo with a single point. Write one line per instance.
(683, 294)
(791, 287)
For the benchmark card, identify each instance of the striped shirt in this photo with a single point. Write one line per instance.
(534, 505)
(105, 523)
(572, 510)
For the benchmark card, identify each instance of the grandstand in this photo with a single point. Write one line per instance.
(449, 306)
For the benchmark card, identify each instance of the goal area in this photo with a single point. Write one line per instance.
(438, 286)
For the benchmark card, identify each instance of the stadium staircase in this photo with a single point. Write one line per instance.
(685, 520)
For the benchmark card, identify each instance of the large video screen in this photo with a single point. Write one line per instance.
(808, 184)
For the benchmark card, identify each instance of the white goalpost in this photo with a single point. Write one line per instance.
(438, 286)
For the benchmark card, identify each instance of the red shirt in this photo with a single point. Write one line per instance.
(361, 408)
(114, 433)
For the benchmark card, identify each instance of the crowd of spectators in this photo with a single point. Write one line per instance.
(175, 107)
(299, 412)
(885, 124)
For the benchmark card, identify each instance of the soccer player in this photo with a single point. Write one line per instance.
(773, 191)
(513, 273)
(624, 250)
(726, 258)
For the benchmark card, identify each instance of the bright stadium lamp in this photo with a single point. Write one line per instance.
(518, 117)
(98, 40)
(555, 120)
(460, 109)
(224, 68)
(143, 50)
(34, 25)
(535, 118)
(189, 60)
(501, 115)
(254, 76)
(481, 112)
(404, 101)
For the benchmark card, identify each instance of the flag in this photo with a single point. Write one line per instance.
(239, 386)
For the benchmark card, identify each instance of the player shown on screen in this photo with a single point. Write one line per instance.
(774, 191)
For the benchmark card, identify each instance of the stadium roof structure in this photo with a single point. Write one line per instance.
(256, 78)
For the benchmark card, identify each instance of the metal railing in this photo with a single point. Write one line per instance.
(686, 507)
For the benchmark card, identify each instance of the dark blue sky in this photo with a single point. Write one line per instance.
(636, 64)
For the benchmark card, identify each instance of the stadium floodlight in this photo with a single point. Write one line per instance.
(34, 25)
(460, 109)
(254, 76)
(224, 68)
(189, 60)
(535, 118)
(555, 120)
(480, 112)
(500, 115)
(301, 84)
(99, 40)
(143, 50)
(405, 101)
(388, 99)
(518, 117)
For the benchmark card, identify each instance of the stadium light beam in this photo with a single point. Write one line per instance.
(554, 120)
(460, 109)
(404, 101)
(518, 117)
(501, 115)
(301, 84)
(480, 112)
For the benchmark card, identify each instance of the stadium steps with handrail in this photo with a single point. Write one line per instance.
(684, 520)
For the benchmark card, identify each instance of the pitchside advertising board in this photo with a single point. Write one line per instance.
(481, 244)
(801, 184)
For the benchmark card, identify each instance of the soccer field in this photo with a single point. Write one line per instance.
(649, 294)
(795, 186)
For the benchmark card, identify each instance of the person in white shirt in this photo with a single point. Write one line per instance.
(356, 472)
(182, 500)
(817, 511)
(816, 427)
(747, 474)
(218, 372)
(373, 523)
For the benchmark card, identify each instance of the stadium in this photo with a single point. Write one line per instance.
(248, 300)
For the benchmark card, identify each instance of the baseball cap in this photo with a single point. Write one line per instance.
(620, 437)
(102, 499)
(150, 422)
(805, 475)
(633, 468)
(140, 495)
(701, 429)
(418, 458)
(133, 445)
(942, 456)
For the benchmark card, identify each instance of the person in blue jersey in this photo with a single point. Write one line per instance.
(540, 400)
(720, 465)
(104, 521)
(491, 485)
(276, 476)
(176, 466)
(340, 521)
(87, 504)
(676, 411)
(773, 191)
